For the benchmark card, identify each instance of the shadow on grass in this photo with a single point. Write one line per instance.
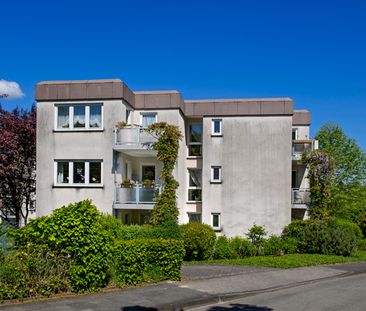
(239, 307)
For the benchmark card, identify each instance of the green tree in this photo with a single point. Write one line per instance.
(349, 158)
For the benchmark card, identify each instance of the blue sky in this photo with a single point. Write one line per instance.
(311, 51)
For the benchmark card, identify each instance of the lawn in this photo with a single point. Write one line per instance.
(287, 261)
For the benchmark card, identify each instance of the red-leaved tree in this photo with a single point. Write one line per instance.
(17, 164)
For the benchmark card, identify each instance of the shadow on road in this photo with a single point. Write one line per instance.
(138, 308)
(240, 307)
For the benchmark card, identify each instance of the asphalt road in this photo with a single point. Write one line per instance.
(343, 293)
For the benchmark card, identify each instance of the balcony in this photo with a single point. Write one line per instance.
(301, 146)
(136, 196)
(134, 138)
(300, 198)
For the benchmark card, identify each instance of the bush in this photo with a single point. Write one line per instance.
(75, 230)
(30, 273)
(242, 248)
(199, 240)
(274, 246)
(222, 248)
(256, 235)
(290, 245)
(331, 236)
(135, 259)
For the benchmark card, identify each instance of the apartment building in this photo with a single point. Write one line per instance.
(239, 162)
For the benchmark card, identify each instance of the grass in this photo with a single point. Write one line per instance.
(288, 261)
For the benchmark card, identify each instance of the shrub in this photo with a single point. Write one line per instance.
(135, 259)
(199, 240)
(75, 230)
(290, 245)
(222, 248)
(242, 248)
(331, 236)
(362, 245)
(30, 272)
(256, 234)
(273, 246)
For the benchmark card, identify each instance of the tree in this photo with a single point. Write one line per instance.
(17, 163)
(165, 209)
(320, 166)
(349, 158)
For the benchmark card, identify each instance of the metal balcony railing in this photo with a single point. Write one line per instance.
(300, 146)
(137, 194)
(134, 136)
(300, 196)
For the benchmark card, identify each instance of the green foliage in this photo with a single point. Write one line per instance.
(30, 272)
(320, 173)
(350, 160)
(242, 248)
(331, 236)
(75, 230)
(167, 147)
(222, 248)
(274, 245)
(256, 235)
(135, 259)
(199, 240)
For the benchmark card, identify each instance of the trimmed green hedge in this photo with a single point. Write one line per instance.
(134, 258)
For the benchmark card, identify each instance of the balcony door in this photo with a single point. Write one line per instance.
(148, 172)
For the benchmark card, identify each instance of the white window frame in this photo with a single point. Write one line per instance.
(296, 131)
(71, 117)
(219, 220)
(213, 180)
(147, 113)
(213, 133)
(189, 187)
(194, 143)
(71, 174)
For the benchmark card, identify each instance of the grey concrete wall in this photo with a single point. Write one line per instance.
(74, 146)
(255, 155)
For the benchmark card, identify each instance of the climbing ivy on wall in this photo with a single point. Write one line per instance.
(167, 147)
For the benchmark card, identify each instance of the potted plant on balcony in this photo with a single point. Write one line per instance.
(148, 183)
(127, 183)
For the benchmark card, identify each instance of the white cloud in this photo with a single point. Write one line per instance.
(10, 89)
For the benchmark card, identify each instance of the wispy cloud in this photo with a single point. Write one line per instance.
(10, 89)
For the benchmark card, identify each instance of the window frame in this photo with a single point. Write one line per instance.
(71, 183)
(189, 143)
(142, 114)
(189, 187)
(213, 180)
(216, 228)
(296, 131)
(71, 127)
(213, 133)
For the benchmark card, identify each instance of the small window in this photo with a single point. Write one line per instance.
(216, 127)
(216, 221)
(95, 119)
(63, 117)
(79, 173)
(95, 175)
(216, 174)
(195, 140)
(194, 217)
(195, 185)
(63, 172)
(294, 134)
(148, 119)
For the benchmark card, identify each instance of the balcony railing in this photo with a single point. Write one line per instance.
(137, 194)
(300, 146)
(300, 196)
(133, 136)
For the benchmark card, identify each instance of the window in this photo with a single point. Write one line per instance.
(148, 118)
(216, 128)
(194, 217)
(79, 116)
(78, 173)
(216, 221)
(148, 172)
(195, 185)
(195, 140)
(294, 134)
(215, 174)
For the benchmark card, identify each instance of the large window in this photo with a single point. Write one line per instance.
(78, 173)
(148, 118)
(79, 116)
(195, 185)
(195, 140)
